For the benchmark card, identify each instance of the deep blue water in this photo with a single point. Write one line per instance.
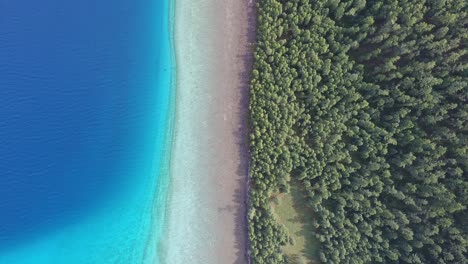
(84, 106)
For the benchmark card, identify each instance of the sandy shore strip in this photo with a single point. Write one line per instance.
(207, 202)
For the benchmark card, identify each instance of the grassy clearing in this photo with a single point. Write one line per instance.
(292, 211)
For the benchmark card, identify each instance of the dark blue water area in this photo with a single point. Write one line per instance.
(77, 107)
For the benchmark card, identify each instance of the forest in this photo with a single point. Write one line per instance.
(364, 104)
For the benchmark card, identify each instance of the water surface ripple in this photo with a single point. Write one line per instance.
(84, 102)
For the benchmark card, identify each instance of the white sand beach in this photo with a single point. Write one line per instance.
(206, 208)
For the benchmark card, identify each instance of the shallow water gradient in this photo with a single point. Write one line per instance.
(84, 104)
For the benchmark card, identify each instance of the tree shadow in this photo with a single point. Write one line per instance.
(241, 135)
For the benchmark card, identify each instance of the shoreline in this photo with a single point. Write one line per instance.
(161, 194)
(207, 206)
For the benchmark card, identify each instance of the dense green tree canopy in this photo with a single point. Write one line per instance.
(365, 104)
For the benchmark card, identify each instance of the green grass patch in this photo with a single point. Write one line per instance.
(292, 211)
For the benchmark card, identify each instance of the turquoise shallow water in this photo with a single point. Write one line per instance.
(85, 128)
